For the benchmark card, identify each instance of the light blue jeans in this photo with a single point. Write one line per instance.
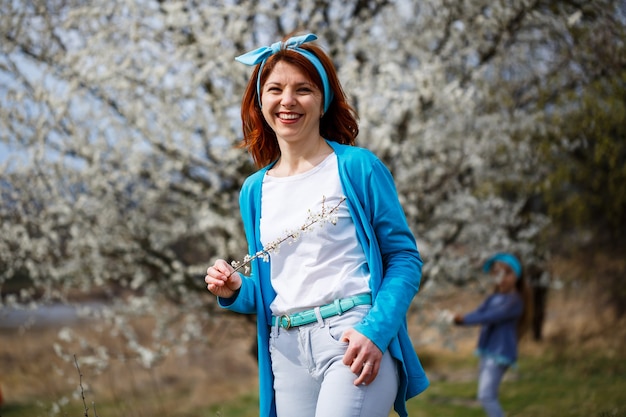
(310, 379)
(489, 378)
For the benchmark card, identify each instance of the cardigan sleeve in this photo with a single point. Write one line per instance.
(244, 300)
(391, 243)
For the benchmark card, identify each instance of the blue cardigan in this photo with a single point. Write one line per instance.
(498, 315)
(394, 262)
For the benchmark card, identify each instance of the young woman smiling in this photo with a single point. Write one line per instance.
(331, 304)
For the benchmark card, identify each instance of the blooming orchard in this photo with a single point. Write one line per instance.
(118, 125)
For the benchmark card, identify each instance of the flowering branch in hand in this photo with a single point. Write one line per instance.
(322, 217)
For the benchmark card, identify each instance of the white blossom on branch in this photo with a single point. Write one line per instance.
(321, 217)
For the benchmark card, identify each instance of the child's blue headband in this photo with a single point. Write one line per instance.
(260, 55)
(507, 258)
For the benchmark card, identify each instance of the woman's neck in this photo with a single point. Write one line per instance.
(298, 159)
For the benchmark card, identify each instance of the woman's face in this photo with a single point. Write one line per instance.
(291, 104)
(503, 277)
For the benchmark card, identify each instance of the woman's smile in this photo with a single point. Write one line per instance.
(289, 117)
(291, 104)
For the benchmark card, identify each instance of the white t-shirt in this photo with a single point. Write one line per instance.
(322, 264)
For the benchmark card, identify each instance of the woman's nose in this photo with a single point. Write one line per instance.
(288, 98)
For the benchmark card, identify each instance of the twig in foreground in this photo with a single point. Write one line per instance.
(321, 217)
(82, 390)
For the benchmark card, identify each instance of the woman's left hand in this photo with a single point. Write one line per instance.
(363, 357)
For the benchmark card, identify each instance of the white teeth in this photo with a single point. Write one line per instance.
(288, 116)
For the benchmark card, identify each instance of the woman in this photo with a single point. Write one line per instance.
(331, 303)
(504, 317)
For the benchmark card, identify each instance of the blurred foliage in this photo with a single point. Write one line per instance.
(586, 184)
(584, 145)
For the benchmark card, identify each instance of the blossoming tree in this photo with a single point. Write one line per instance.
(118, 125)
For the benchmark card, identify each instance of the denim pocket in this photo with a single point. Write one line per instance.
(336, 325)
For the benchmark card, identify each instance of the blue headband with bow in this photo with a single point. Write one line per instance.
(260, 55)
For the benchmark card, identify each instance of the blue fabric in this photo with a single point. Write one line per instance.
(260, 55)
(498, 315)
(392, 255)
(311, 380)
(507, 258)
(490, 376)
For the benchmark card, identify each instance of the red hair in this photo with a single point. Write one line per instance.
(338, 124)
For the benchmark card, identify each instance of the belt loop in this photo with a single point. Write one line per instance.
(338, 308)
(276, 328)
(319, 317)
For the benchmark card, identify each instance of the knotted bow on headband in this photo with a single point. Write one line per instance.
(260, 55)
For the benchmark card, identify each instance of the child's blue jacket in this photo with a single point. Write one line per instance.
(392, 256)
(498, 315)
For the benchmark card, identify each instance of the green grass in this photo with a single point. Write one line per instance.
(245, 406)
(549, 386)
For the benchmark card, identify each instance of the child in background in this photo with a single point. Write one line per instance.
(504, 316)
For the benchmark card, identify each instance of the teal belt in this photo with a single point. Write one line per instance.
(335, 308)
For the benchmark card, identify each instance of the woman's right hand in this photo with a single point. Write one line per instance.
(222, 280)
